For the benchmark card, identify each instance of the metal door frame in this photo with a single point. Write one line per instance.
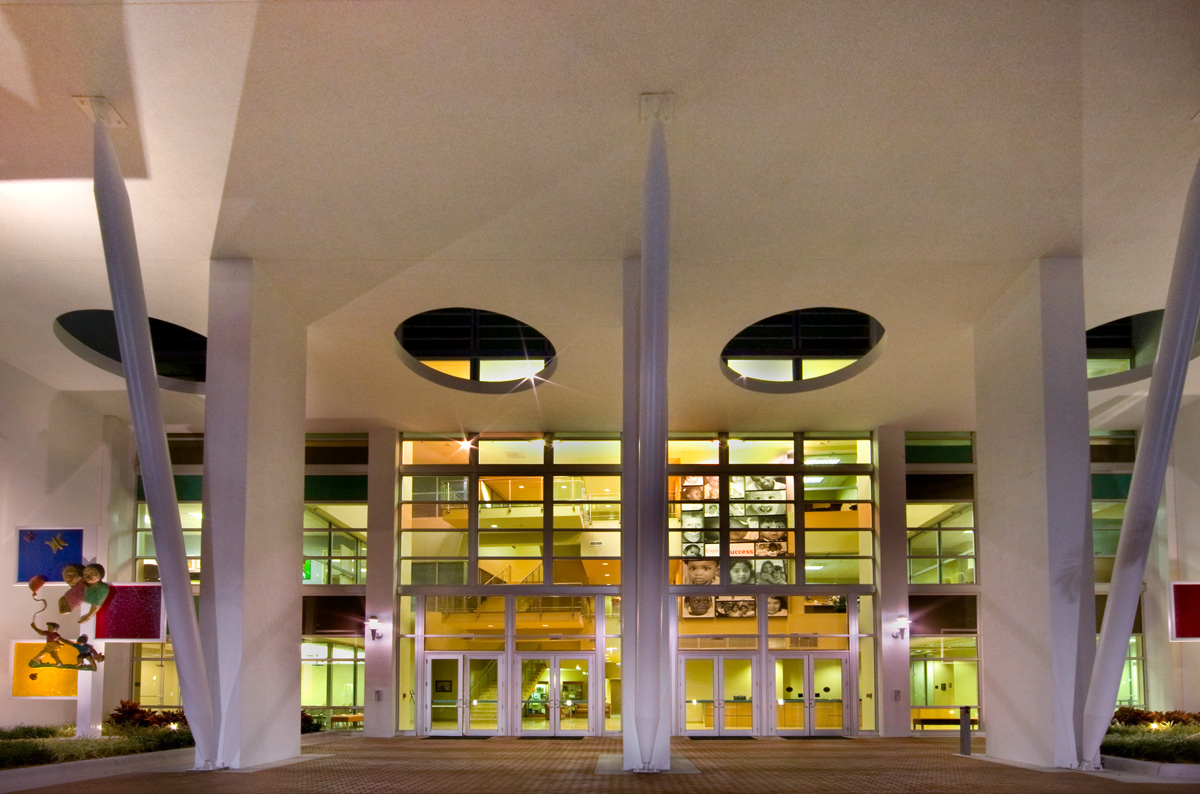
(553, 704)
(718, 659)
(464, 659)
(810, 699)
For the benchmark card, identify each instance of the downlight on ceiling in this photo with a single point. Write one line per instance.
(802, 350)
(180, 355)
(475, 350)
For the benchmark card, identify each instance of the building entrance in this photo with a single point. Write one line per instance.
(463, 694)
(716, 695)
(807, 690)
(555, 696)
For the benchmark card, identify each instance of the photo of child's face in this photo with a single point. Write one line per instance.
(693, 520)
(737, 534)
(693, 537)
(741, 572)
(780, 523)
(764, 483)
(775, 605)
(772, 535)
(700, 572)
(693, 550)
(771, 573)
(697, 605)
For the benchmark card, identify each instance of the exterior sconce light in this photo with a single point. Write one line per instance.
(902, 624)
(373, 627)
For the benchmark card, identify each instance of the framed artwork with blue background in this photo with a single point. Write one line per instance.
(44, 552)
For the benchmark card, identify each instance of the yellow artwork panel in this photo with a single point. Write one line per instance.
(43, 682)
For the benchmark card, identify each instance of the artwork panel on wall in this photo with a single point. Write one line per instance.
(43, 682)
(45, 552)
(133, 612)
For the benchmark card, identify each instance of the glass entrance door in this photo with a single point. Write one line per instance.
(808, 693)
(555, 695)
(462, 694)
(717, 695)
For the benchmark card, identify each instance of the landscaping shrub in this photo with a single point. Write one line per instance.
(37, 732)
(308, 723)
(24, 752)
(1175, 744)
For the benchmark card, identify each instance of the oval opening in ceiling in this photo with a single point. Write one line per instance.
(1123, 351)
(801, 350)
(475, 350)
(180, 355)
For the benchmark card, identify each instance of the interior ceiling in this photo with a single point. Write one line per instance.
(906, 160)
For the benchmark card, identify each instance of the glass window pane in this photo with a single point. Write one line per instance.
(937, 448)
(433, 516)
(830, 543)
(693, 451)
(765, 451)
(587, 487)
(510, 544)
(510, 515)
(442, 451)
(510, 489)
(587, 514)
(834, 515)
(827, 451)
(447, 572)
(586, 571)
(342, 516)
(500, 370)
(941, 514)
(836, 487)
(940, 487)
(510, 571)
(823, 570)
(1107, 515)
(772, 369)
(594, 452)
(433, 489)
(587, 544)
(457, 368)
(433, 544)
(316, 544)
(464, 615)
(512, 452)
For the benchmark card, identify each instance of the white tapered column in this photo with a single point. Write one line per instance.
(652, 671)
(141, 378)
(1037, 605)
(1149, 471)
(254, 467)
(631, 749)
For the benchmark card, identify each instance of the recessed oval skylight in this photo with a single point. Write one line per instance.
(475, 350)
(1123, 350)
(180, 354)
(802, 350)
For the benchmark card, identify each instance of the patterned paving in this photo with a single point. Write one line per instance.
(765, 766)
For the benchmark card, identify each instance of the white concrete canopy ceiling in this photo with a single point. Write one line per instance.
(393, 157)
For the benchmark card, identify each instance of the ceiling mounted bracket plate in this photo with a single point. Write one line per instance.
(99, 108)
(657, 106)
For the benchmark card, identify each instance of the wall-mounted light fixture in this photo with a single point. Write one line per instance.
(373, 627)
(902, 624)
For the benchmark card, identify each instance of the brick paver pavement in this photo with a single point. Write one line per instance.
(355, 765)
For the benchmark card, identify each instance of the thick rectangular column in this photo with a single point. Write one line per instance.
(893, 693)
(254, 467)
(1179, 661)
(379, 712)
(1037, 611)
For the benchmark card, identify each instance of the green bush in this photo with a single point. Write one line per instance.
(118, 740)
(37, 732)
(1171, 744)
(24, 752)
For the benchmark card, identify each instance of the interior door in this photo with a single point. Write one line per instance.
(808, 692)
(444, 695)
(717, 695)
(463, 694)
(555, 695)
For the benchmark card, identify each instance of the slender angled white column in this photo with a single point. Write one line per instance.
(1154, 449)
(631, 750)
(893, 693)
(1037, 604)
(137, 357)
(254, 465)
(653, 707)
(383, 461)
